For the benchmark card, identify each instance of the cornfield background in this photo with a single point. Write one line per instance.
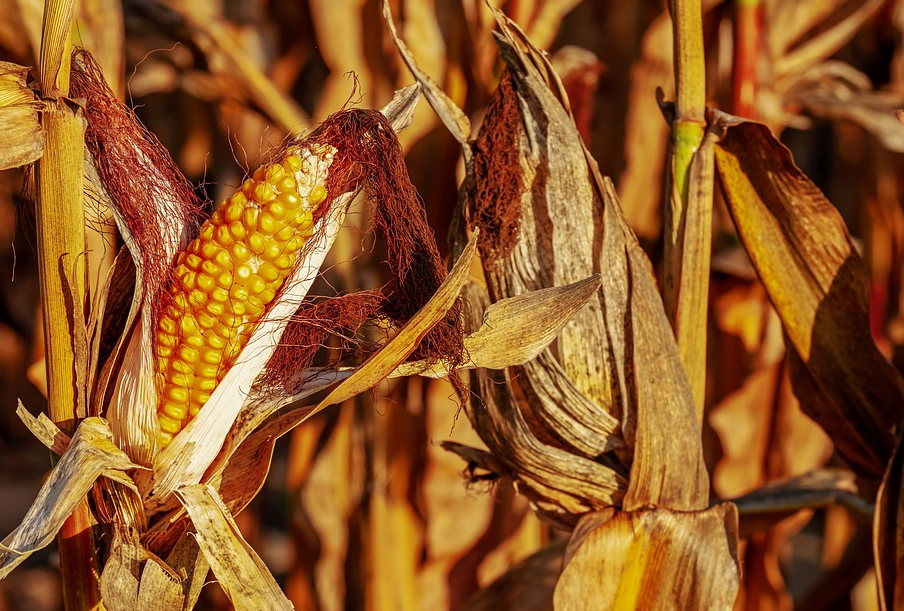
(363, 508)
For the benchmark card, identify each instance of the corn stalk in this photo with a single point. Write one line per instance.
(61, 244)
(688, 216)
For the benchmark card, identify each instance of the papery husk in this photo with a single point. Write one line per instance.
(651, 559)
(89, 455)
(566, 214)
(238, 569)
(819, 286)
(23, 138)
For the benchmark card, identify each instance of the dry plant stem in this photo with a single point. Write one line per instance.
(688, 215)
(746, 54)
(61, 244)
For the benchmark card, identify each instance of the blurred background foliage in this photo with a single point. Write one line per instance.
(363, 509)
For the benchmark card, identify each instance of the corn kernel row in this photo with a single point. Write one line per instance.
(227, 276)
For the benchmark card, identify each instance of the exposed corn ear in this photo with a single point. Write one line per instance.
(228, 275)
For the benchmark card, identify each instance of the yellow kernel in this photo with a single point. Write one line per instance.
(176, 394)
(195, 341)
(164, 439)
(216, 218)
(290, 200)
(305, 221)
(193, 262)
(272, 250)
(250, 217)
(216, 308)
(197, 298)
(168, 341)
(256, 243)
(237, 231)
(209, 250)
(276, 209)
(162, 351)
(238, 292)
(253, 307)
(182, 379)
(216, 341)
(318, 194)
(232, 211)
(206, 384)
(284, 261)
(224, 259)
(222, 236)
(189, 326)
(287, 183)
(221, 293)
(205, 282)
(274, 173)
(169, 427)
(286, 233)
(294, 244)
(180, 366)
(262, 192)
(248, 188)
(268, 224)
(267, 295)
(205, 320)
(238, 308)
(242, 273)
(180, 302)
(188, 354)
(206, 234)
(240, 253)
(210, 268)
(207, 371)
(194, 409)
(194, 248)
(231, 322)
(293, 163)
(167, 325)
(255, 284)
(268, 272)
(175, 410)
(238, 198)
(200, 397)
(212, 357)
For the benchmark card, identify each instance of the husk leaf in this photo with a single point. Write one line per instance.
(819, 286)
(23, 139)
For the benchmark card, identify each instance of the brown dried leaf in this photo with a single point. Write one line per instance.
(650, 559)
(528, 586)
(888, 534)
(819, 287)
(23, 138)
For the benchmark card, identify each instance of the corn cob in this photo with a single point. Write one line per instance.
(228, 275)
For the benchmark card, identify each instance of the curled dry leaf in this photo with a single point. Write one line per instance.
(643, 560)
(23, 140)
(819, 286)
(90, 454)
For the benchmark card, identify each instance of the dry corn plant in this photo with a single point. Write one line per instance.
(169, 387)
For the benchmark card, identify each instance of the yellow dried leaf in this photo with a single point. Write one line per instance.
(238, 569)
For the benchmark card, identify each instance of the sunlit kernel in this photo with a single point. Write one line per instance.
(206, 321)
(292, 163)
(248, 188)
(284, 261)
(268, 271)
(189, 355)
(256, 243)
(274, 173)
(242, 273)
(221, 293)
(169, 427)
(216, 308)
(205, 384)
(195, 341)
(206, 234)
(224, 259)
(216, 341)
(164, 351)
(318, 194)
(211, 357)
(240, 253)
(268, 224)
(167, 325)
(216, 218)
(272, 250)
(263, 192)
(205, 282)
(222, 236)
(250, 218)
(232, 211)
(239, 293)
(210, 268)
(267, 295)
(177, 410)
(289, 200)
(237, 231)
(180, 366)
(206, 371)
(182, 379)
(209, 250)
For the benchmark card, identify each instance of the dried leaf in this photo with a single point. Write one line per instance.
(160, 588)
(819, 287)
(515, 330)
(23, 139)
(649, 559)
(527, 587)
(238, 569)
(888, 534)
(90, 453)
(122, 570)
